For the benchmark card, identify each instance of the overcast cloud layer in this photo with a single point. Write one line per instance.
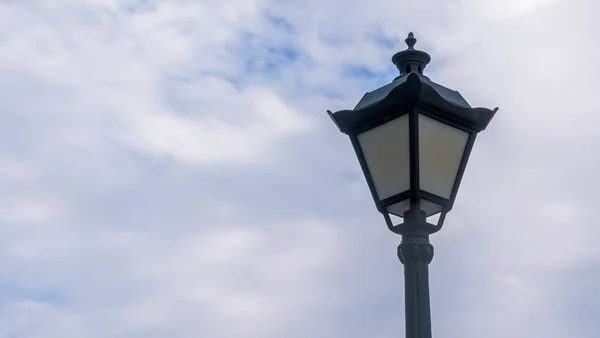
(167, 169)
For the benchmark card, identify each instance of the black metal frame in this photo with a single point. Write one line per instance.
(413, 157)
(413, 95)
(414, 194)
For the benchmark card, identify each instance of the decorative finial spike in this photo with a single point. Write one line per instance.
(410, 41)
(411, 60)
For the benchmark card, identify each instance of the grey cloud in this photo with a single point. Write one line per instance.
(105, 233)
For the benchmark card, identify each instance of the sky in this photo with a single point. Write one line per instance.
(168, 169)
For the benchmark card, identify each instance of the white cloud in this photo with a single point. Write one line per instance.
(50, 321)
(211, 140)
(167, 169)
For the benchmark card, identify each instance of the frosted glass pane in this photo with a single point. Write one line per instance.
(430, 208)
(399, 208)
(441, 149)
(386, 150)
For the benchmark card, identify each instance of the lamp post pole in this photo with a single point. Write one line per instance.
(416, 252)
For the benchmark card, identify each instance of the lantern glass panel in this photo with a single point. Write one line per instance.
(441, 149)
(399, 208)
(386, 151)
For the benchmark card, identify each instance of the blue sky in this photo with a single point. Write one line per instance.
(167, 169)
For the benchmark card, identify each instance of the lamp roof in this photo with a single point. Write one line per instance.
(412, 87)
(417, 90)
(451, 96)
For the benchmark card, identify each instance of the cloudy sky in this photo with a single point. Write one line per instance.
(167, 169)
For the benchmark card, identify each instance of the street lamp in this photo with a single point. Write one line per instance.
(413, 138)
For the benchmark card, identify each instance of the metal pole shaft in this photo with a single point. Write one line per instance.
(415, 252)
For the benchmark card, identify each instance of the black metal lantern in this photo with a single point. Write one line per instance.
(413, 138)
